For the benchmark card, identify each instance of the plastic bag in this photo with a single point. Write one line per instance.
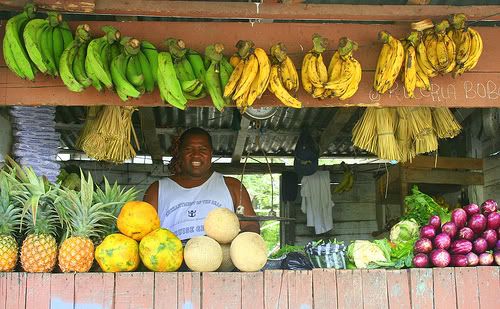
(296, 261)
(327, 254)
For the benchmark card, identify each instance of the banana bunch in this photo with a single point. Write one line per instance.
(250, 76)
(192, 86)
(468, 44)
(314, 73)
(72, 61)
(440, 48)
(100, 52)
(344, 72)
(14, 52)
(170, 87)
(284, 77)
(409, 76)
(126, 71)
(217, 74)
(389, 62)
(347, 181)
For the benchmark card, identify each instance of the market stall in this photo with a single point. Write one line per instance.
(369, 200)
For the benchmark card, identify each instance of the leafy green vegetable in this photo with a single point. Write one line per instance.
(405, 230)
(420, 207)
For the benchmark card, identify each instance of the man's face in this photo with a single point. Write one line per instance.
(196, 156)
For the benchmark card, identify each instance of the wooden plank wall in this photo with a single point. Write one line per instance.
(320, 288)
(491, 187)
(354, 214)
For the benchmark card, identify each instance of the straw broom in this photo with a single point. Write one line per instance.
(420, 120)
(88, 126)
(445, 124)
(364, 133)
(403, 135)
(387, 145)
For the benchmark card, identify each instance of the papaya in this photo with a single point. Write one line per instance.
(137, 219)
(161, 250)
(117, 253)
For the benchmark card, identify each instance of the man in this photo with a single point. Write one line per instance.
(184, 199)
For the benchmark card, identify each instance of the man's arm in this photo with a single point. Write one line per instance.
(233, 185)
(151, 195)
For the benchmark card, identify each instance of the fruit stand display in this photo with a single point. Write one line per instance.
(86, 246)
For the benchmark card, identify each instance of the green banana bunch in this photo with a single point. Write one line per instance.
(214, 79)
(347, 181)
(14, 52)
(126, 71)
(151, 53)
(192, 86)
(170, 87)
(100, 52)
(72, 61)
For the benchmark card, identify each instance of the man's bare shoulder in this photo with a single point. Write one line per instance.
(231, 181)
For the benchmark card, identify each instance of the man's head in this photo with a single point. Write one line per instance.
(195, 153)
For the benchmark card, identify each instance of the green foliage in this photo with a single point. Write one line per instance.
(420, 207)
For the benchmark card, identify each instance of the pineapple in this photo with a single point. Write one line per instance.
(84, 220)
(39, 248)
(10, 221)
(116, 197)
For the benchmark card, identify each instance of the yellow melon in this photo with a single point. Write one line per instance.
(161, 250)
(248, 252)
(202, 253)
(137, 219)
(227, 264)
(222, 225)
(117, 253)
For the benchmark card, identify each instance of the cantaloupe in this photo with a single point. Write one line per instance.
(202, 253)
(222, 225)
(227, 264)
(248, 252)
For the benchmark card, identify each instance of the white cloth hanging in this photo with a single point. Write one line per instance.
(317, 201)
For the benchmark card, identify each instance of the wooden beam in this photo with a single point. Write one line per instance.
(335, 126)
(445, 163)
(418, 2)
(268, 10)
(148, 129)
(241, 140)
(435, 176)
(479, 88)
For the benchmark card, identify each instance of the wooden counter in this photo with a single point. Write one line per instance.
(472, 287)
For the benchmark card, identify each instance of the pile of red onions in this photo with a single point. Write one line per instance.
(471, 238)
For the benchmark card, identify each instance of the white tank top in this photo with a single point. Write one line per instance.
(183, 210)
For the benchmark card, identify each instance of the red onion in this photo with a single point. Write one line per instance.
(423, 245)
(489, 206)
(497, 247)
(493, 221)
(420, 260)
(449, 228)
(442, 241)
(458, 260)
(471, 209)
(459, 217)
(440, 258)
(435, 221)
(497, 257)
(477, 223)
(427, 231)
(479, 245)
(486, 259)
(491, 238)
(472, 259)
(466, 233)
(461, 246)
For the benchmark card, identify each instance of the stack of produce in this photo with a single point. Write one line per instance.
(250, 76)
(314, 73)
(36, 141)
(466, 240)
(284, 79)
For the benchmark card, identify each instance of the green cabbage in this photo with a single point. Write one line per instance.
(404, 231)
(364, 252)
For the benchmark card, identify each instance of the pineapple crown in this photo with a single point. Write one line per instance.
(10, 209)
(81, 214)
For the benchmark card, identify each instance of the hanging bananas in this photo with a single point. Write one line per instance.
(100, 53)
(192, 86)
(468, 43)
(314, 73)
(389, 62)
(283, 77)
(170, 87)
(14, 52)
(217, 74)
(440, 48)
(72, 61)
(250, 77)
(347, 181)
(409, 75)
(344, 72)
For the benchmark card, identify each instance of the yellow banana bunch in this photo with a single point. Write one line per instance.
(314, 73)
(468, 43)
(347, 181)
(409, 75)
(440, 48)
(281, 82)
(389, 62)
(344, 72)
(250, 77)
